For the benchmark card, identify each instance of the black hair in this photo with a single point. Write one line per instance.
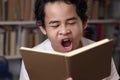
(81, 8)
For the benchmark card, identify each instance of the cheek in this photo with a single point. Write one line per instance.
(77, 34)
(51, 34)
(77, 31)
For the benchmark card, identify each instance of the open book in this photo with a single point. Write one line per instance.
(92, 62)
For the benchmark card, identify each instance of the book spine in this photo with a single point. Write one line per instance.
(100, 31)
(2, 41)
(1, 7)
(67, 62)
(12, 6)
(95, 9)
(90, 7)
(12, 42)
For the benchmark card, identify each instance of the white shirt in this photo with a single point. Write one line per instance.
(46, 45)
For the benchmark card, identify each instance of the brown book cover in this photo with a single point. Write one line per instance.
(92, 62)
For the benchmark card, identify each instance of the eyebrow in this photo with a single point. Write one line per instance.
(56, 21)
(71, 18)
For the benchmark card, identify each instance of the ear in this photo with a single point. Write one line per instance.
(85, 24)
(39, 24)
(42, 30)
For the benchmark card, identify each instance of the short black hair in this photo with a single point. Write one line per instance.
(81, 9)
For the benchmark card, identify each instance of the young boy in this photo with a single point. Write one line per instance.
(63, 21)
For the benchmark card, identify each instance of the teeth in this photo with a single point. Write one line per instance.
(66, 40)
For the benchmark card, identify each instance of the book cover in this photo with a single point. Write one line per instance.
(92, 62)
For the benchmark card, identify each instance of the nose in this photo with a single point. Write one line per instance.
(64, 31)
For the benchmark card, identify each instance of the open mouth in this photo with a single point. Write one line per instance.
(67, 44)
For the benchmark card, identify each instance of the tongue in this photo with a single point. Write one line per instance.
(67, 49)
(67, 46)
(66, 43)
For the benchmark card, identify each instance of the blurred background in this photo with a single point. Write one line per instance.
(18, 28)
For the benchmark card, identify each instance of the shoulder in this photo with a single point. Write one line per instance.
(86, 41)
(45, 45)
(23, 73)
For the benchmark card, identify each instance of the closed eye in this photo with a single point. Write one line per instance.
(54, 26)
(71, 22)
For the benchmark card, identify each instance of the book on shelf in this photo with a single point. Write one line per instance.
(100, 31)
(22, 9)
(106, 5)
(24, 37)
(1, 7)
(95, 9)
(12, 42)
(2, 37)
(30, 37)
(91, 62)
(90, 7)
(95, 32)
(7, 40)
(12, 10)
(11, 38)
(28, 9)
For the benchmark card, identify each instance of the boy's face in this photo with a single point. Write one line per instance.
(63, 26)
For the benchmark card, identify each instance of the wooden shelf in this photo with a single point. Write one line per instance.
(109, 21)
(13, 57)
(34, 23)
(19, 23)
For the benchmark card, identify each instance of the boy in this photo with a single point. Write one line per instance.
(63, 21)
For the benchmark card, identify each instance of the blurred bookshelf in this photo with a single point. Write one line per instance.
(17, 20)
(22, 30)
(21, 25)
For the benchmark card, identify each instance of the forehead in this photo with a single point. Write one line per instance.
(59, 10)
(59, 2)
(58, 6)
